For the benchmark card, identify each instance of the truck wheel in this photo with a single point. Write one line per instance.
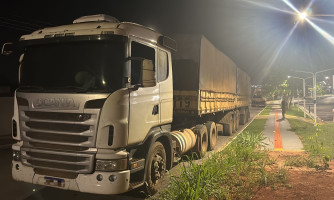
(156, 168)
(247, 114)
(243, 119)
(220, 129)
(212, 135)
(228, 129)
(201, 141)
(234, 125)
(237, 121)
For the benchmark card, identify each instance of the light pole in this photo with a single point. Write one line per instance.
(303, 89)
(314, 74)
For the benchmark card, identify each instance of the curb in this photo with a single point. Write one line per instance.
(239, 132)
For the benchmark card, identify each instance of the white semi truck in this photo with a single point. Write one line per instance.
(100, 109)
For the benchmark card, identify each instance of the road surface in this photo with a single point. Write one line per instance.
(325, 106)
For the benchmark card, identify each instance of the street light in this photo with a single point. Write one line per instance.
(314, 74)
(302, 16)
(303, 89)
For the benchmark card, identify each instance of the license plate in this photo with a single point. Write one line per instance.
(58, 182)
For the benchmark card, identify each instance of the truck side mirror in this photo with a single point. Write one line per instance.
(148, 74)
(7, 48)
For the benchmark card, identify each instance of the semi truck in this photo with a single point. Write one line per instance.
(257, 98)
(105, 106)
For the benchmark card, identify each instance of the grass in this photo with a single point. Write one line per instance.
(294, 111)
(257, 126)
(316, 140)
(230, 174)
(266, 110)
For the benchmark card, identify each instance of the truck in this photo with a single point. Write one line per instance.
(103, 108)
(258, 100)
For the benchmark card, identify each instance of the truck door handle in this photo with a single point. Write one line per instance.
(155, 110)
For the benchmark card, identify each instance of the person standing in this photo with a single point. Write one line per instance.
(283, 105)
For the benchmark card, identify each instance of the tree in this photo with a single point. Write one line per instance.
(276, 84)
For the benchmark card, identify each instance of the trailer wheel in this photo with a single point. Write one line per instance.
(235, 123)
(201, 145)
(243, 116)
(247, 114)
(212, 135)
(243, 119)
(228, 129)
(156, 168)
(220, 129)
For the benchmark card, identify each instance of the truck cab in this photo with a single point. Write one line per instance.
(94, 106)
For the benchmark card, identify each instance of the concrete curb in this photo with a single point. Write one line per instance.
(240, 131)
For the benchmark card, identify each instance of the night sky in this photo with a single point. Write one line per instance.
(251, 32)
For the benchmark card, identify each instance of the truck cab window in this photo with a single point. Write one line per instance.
(162, 66)
(142, 51)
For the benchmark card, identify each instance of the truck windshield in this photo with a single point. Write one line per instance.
(77, 66)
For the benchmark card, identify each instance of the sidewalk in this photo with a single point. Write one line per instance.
(278, 136)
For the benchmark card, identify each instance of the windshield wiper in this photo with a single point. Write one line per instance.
(30, 88)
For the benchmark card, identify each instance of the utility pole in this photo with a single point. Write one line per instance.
(303, 90)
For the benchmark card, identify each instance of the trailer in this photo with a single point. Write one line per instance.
(105, 106)
(208, 84)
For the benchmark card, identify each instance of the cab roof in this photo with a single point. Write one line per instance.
(96, 25)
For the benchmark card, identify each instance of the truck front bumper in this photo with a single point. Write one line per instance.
(82, 183)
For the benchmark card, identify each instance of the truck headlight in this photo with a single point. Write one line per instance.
(16, 155)
(111, 165)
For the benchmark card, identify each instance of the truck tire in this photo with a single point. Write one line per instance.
(234, 129)
(243, 119)
(247, 114)
(155, 168)
(228, 129)
(212, 135)
(220, 129)
(243, 116)
(236, 121)
(201, 145)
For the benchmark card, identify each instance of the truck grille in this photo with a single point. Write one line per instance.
(58, 141)
(59, 161)
(56, 137)
(74, 129)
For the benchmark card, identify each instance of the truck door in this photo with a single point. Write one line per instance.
(144, 102)
(166, 87)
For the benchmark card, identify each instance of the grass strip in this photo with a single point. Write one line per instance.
(230, 174)
(316, 139)
(266, 110)
(295, 111)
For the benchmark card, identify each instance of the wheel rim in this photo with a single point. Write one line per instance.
(158, 168)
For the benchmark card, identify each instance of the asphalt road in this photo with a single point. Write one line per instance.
(325, 106)
(13, 190)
